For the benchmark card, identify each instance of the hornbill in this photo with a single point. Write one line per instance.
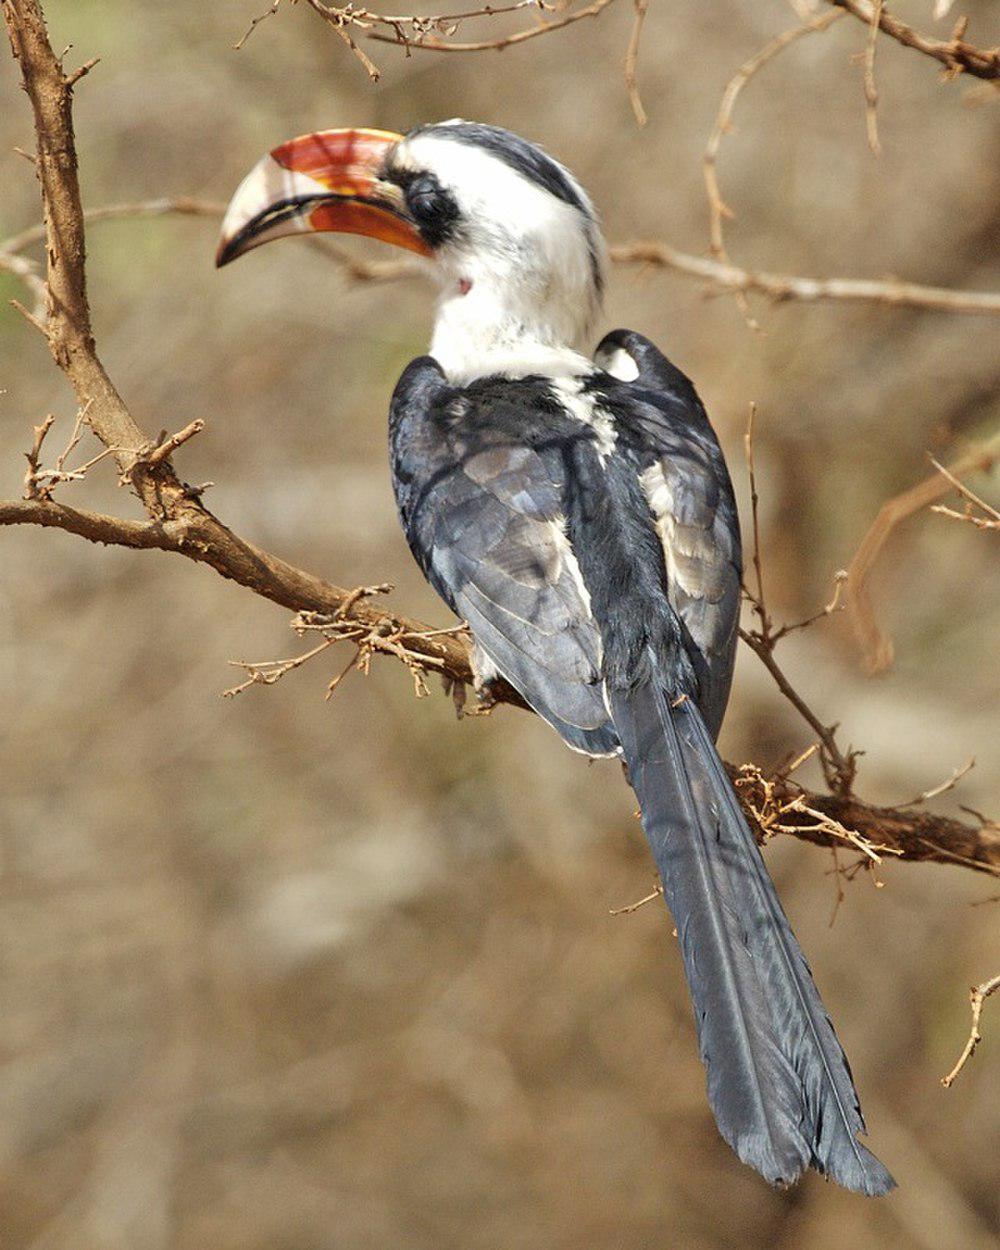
(577, 512)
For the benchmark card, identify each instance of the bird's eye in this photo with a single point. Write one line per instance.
(432, 207)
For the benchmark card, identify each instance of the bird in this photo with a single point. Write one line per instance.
(576, 511)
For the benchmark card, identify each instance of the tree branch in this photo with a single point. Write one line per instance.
(721, 275)
(913, 835)
(782, 286)
(957, 56)
(874, 642)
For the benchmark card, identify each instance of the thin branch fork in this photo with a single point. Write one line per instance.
(717, 208)
(977, 511)
(957, 56)
(978, 996)
(839, 768)
(874, 643)
(542, 27)
(432, 32)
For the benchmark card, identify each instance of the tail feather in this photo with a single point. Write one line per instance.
(778, 1081)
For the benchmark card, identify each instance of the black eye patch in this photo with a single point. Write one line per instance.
(531, 163)
(431, 206)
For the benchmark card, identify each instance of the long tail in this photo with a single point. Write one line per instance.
(778, 1081)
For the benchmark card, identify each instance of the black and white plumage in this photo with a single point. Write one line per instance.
(578, 513)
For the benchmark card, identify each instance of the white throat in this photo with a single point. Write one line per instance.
(477, 334)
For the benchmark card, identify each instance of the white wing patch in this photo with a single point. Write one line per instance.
(570, 393)
(661, 502)
(567, 557)
(694, 564)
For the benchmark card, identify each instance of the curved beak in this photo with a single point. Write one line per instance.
(331, 180)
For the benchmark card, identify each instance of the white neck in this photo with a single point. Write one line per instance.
(498, 327)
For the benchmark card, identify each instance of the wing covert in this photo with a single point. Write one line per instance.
(479, 483)
(690, 497)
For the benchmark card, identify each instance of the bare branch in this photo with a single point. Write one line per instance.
(916, 835)
(781, 287)
(641, 902)
(170, 445)
(72, 79)
(875, 644)
(778, 287)
(717, 208)
(949, 783)
(839, 768)
(871, 87)
(254, 23)
(957, 56)
(430, 44)
(27, 271)
(632, 59)
(978, 995)
(986, 518)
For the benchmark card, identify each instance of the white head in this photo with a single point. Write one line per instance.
(511, 237)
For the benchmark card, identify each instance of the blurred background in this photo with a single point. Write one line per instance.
(285, 974)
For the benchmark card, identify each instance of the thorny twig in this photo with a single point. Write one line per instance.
(771, 800)
(39, 482)
(567, 18)
(978, 995)
(386, 636)
(433, 32)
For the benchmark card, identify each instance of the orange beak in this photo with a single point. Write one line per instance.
(331, 180)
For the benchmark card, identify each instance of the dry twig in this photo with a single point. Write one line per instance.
(431, 44)
(950, 782)
(640, 902)
(774, 799)
(725, 277)
(718, 210)
(431, 32)
(871, 87)
(781, 287)
(978, 995)
(631, 62)
(839, 768)
(977, 511)
(254, 23)
(875, 644)
(957, 56)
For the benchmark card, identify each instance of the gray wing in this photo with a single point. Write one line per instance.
(482, 513)
(690, 496)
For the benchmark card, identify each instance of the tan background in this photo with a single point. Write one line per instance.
(279, 974)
